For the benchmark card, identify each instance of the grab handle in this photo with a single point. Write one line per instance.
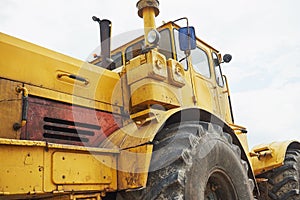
(75, 77)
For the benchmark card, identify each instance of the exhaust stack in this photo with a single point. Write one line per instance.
(105, 37)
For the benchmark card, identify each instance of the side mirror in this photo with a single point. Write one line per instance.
(227, 58)
(187, 38)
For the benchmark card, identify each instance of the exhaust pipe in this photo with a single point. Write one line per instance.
(105, 37)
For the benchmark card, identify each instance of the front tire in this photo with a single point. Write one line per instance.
(195, 161)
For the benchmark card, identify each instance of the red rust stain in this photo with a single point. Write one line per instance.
(63, 123)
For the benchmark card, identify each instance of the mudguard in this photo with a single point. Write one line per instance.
(135, 142)
(265, 157)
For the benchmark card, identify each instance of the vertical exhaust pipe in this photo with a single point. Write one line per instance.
(105, 38)
(105, 34)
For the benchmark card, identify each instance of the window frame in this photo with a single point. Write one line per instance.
(219, 69)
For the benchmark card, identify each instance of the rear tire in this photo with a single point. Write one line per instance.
(195, 161)
(283, 182)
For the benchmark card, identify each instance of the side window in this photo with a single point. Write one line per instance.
(165, 44)
(218, 72)
(118, 59)
(200, 62)
(134, 50)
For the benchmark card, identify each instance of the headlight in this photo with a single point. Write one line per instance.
(153, 37)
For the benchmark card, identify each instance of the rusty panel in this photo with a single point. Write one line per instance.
(10, 109)
(58, 122)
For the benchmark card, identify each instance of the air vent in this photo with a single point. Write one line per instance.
(62, 123)
(68, 130)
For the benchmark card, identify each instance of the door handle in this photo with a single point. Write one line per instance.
(74, 77)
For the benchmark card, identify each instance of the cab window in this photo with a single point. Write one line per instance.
(200, 62)
(134, 50)
(218, 71)
(118, 59)
(164, 46)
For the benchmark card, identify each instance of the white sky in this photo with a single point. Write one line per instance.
(262, 36)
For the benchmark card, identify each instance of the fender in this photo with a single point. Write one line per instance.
(265, 157)
(138, 133)
(135, 142)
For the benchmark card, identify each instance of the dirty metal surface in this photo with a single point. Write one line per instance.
(57, 122)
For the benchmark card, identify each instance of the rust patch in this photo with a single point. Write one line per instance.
(63, 123)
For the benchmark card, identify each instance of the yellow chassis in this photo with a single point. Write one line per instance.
(35, 167)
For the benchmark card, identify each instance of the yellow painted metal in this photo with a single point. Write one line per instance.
(176, 73)
(11, 109)
(226, 92)
(268, 156)
(42, 168)
(41, 67)
(72, 99)
(150, 92)
(96, 196)
(242, 136)
(154, 81)
(151, 65)
(148, 10)
(205, 89)
(149, 21)
(71, 168)
(134, 134)
(133, 167)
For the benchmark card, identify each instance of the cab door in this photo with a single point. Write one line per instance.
(203, 81)
(221, 89)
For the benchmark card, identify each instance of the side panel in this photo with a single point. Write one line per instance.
(37, 168)
(37, 66)
(10, 109)
(133, 167)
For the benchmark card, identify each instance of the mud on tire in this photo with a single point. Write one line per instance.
(195, 161)
(283, 182)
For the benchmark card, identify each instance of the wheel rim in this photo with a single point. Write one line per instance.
(219, 186)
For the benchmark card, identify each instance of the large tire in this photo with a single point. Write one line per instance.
(283, 182)
(195, 161)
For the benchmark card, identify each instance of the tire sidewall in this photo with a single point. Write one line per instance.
(214, 153)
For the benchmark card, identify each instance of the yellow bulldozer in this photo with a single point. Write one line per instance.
(150, 119)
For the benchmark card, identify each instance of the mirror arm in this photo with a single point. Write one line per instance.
(187, 53)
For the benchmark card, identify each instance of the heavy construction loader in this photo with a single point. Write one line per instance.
(150, 119)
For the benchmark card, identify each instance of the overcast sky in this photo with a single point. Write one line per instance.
(262, 36)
